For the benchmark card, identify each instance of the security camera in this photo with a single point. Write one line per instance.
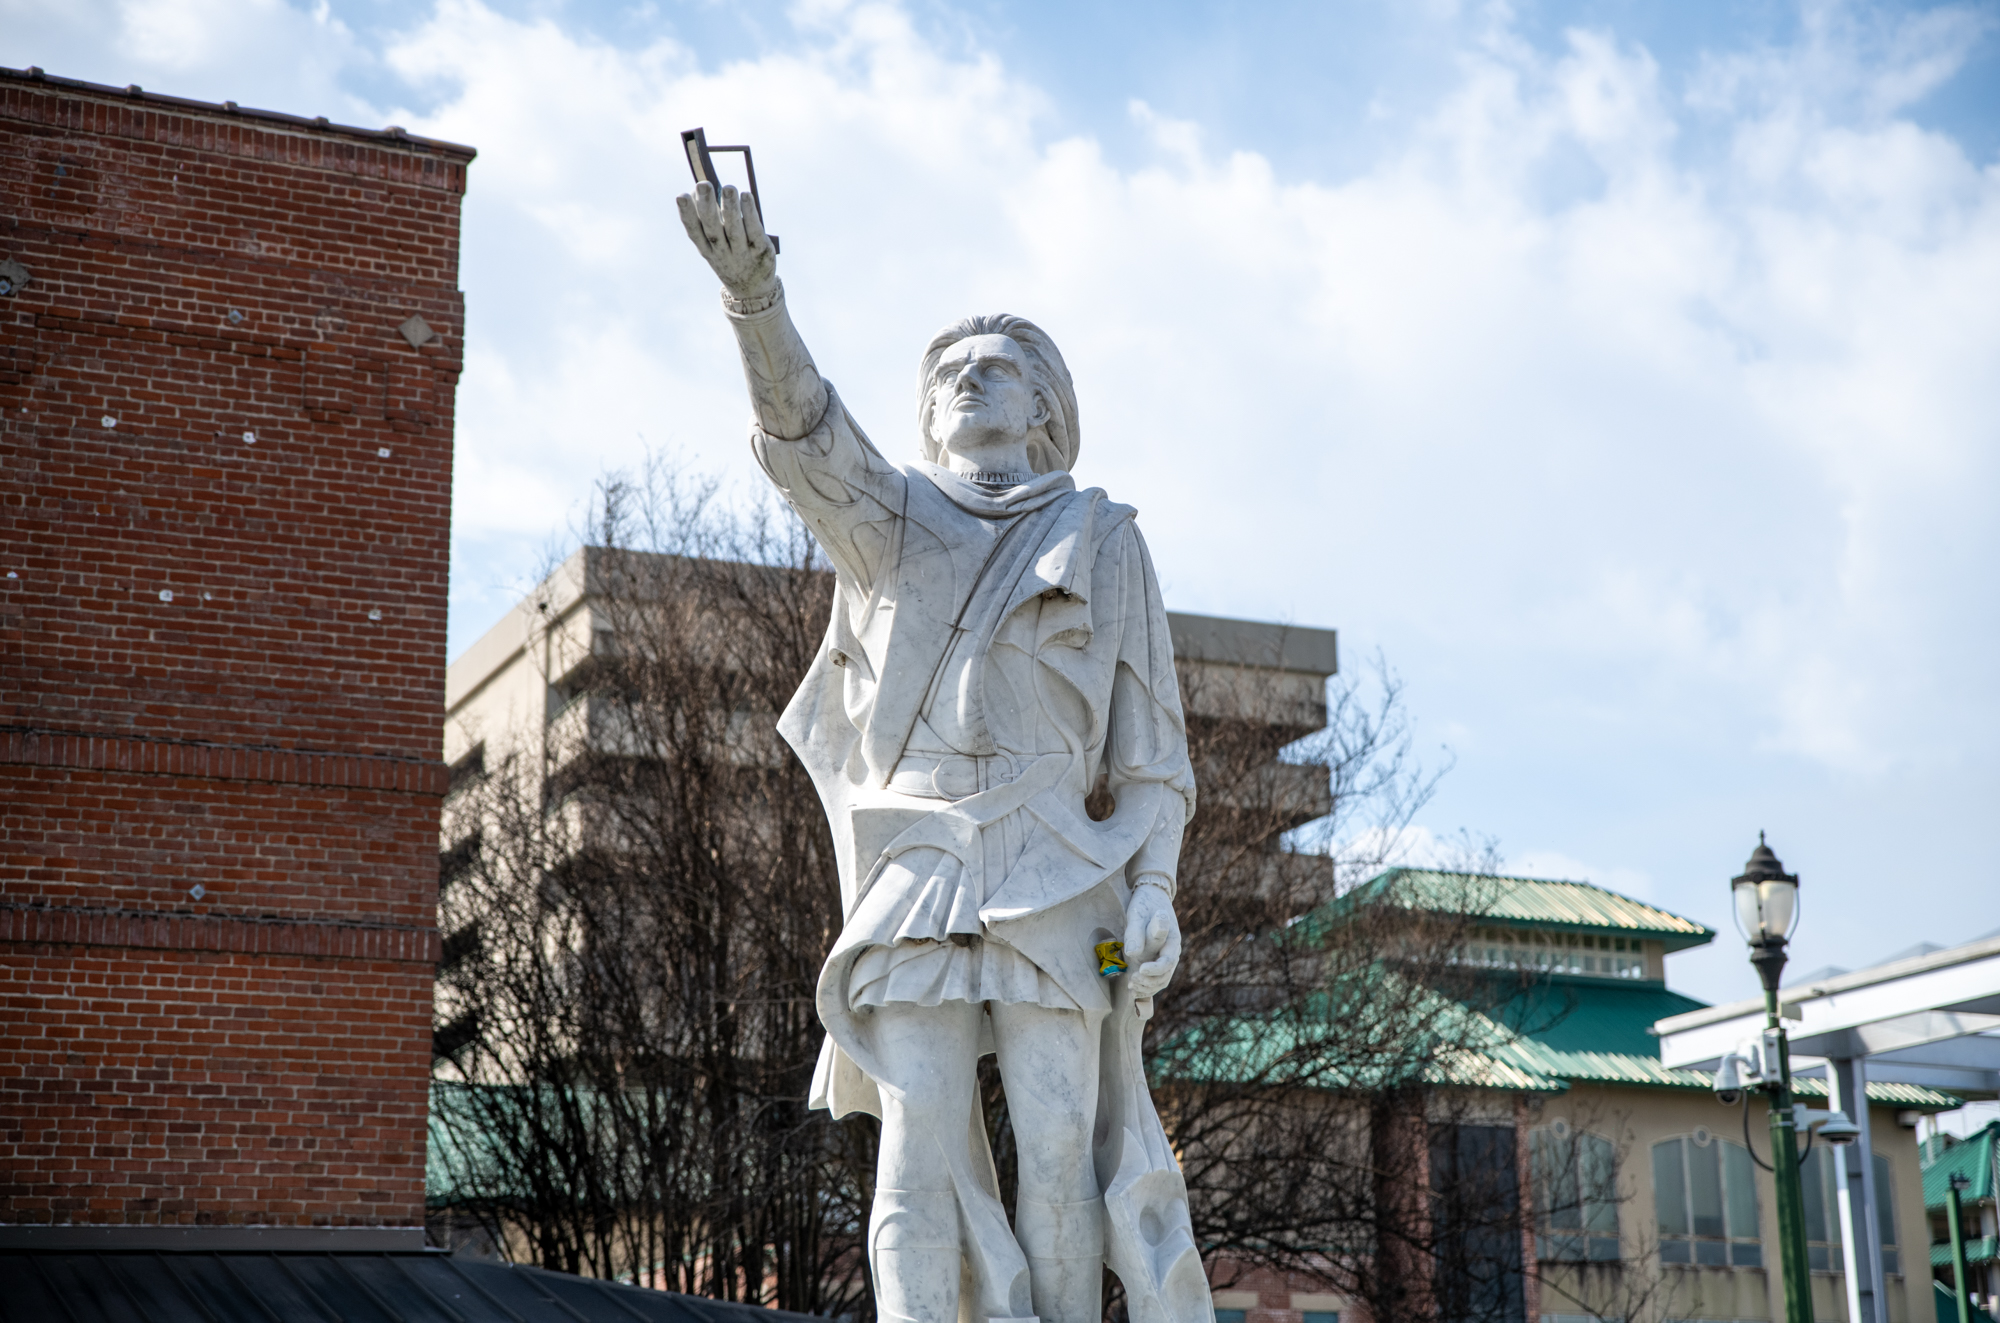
(1739, 1070)
(1833, 1127)
(1729, 1081)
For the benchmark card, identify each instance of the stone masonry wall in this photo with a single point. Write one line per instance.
(224, 515)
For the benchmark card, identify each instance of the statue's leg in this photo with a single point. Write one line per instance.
(1048, 1063)
(929, 1055)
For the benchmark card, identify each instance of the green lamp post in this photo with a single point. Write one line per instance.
(1767, 909)
(1954, 1213)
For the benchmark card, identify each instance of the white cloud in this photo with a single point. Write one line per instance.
(1860, 60)
(1650, 425)
(1688, 417)
(262, 53)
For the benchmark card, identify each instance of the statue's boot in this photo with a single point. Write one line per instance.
(1065, 1248)
(913, 1252)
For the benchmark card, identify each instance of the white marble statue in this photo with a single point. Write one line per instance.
(995, 728)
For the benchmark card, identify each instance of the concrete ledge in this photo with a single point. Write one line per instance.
(213, 1240)
(1254, 643)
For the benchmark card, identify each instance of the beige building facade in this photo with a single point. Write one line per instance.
(1640, 1199)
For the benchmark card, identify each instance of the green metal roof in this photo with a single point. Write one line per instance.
(1946, 1299)
(1971, 1157)
(1976, 1251)
(1633, 1068)
(1539, 1036)
(1557, 1031)
(1575, 1029)
(1577, 1013)
(1534, 902)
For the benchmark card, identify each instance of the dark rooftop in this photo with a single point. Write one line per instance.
(213, 1276)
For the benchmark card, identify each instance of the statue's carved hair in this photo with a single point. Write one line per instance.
(1050, 447)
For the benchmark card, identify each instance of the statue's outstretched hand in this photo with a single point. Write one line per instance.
(1152, 936)
(729, 233)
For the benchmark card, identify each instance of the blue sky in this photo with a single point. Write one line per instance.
(1628, 374)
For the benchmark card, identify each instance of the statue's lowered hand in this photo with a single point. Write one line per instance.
(1152, 940)
(729, 234)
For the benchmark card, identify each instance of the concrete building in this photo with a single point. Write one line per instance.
(512, 686)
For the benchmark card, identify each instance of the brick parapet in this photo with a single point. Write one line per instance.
(226, 129)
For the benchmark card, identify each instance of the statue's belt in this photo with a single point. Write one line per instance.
(957, 776)
(954, 826)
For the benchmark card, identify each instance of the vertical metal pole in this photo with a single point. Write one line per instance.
(1954, 1218)
(1861, 1236)
(1792, 1260)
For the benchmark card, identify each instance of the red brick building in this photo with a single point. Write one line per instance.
(229, 342)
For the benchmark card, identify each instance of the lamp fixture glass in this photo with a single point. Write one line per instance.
(1767, 898)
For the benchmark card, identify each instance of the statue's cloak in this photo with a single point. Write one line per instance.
(932, 567)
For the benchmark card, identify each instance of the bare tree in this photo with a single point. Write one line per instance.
(637, 934)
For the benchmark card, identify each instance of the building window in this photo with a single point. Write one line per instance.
(1320, 1316)
(1229, 1316)
(1576, 1195)
(1821, 1181)
(1705, 1196)
(1557, 953)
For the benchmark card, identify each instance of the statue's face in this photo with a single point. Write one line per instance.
(983, 397)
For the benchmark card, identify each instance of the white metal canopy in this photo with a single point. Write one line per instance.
(1932, 1019)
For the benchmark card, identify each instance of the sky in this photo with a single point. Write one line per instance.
(1626, 375)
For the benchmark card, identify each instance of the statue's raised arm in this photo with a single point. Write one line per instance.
(785, 389)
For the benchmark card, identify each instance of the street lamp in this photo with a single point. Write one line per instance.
(1767, 909)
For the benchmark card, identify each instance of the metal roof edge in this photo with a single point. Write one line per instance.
(1702, 932)
(97, 1238)
(1606, 1070)
(389, 137)
(1860, 978)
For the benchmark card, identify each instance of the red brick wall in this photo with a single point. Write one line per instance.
(179, 1086)
(1277, 1293)
(224, 509)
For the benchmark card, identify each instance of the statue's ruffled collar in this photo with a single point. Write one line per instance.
(992, 502)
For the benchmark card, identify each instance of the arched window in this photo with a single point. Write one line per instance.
(1576, 1195)
(1705, 1195)
(1821, 1181)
